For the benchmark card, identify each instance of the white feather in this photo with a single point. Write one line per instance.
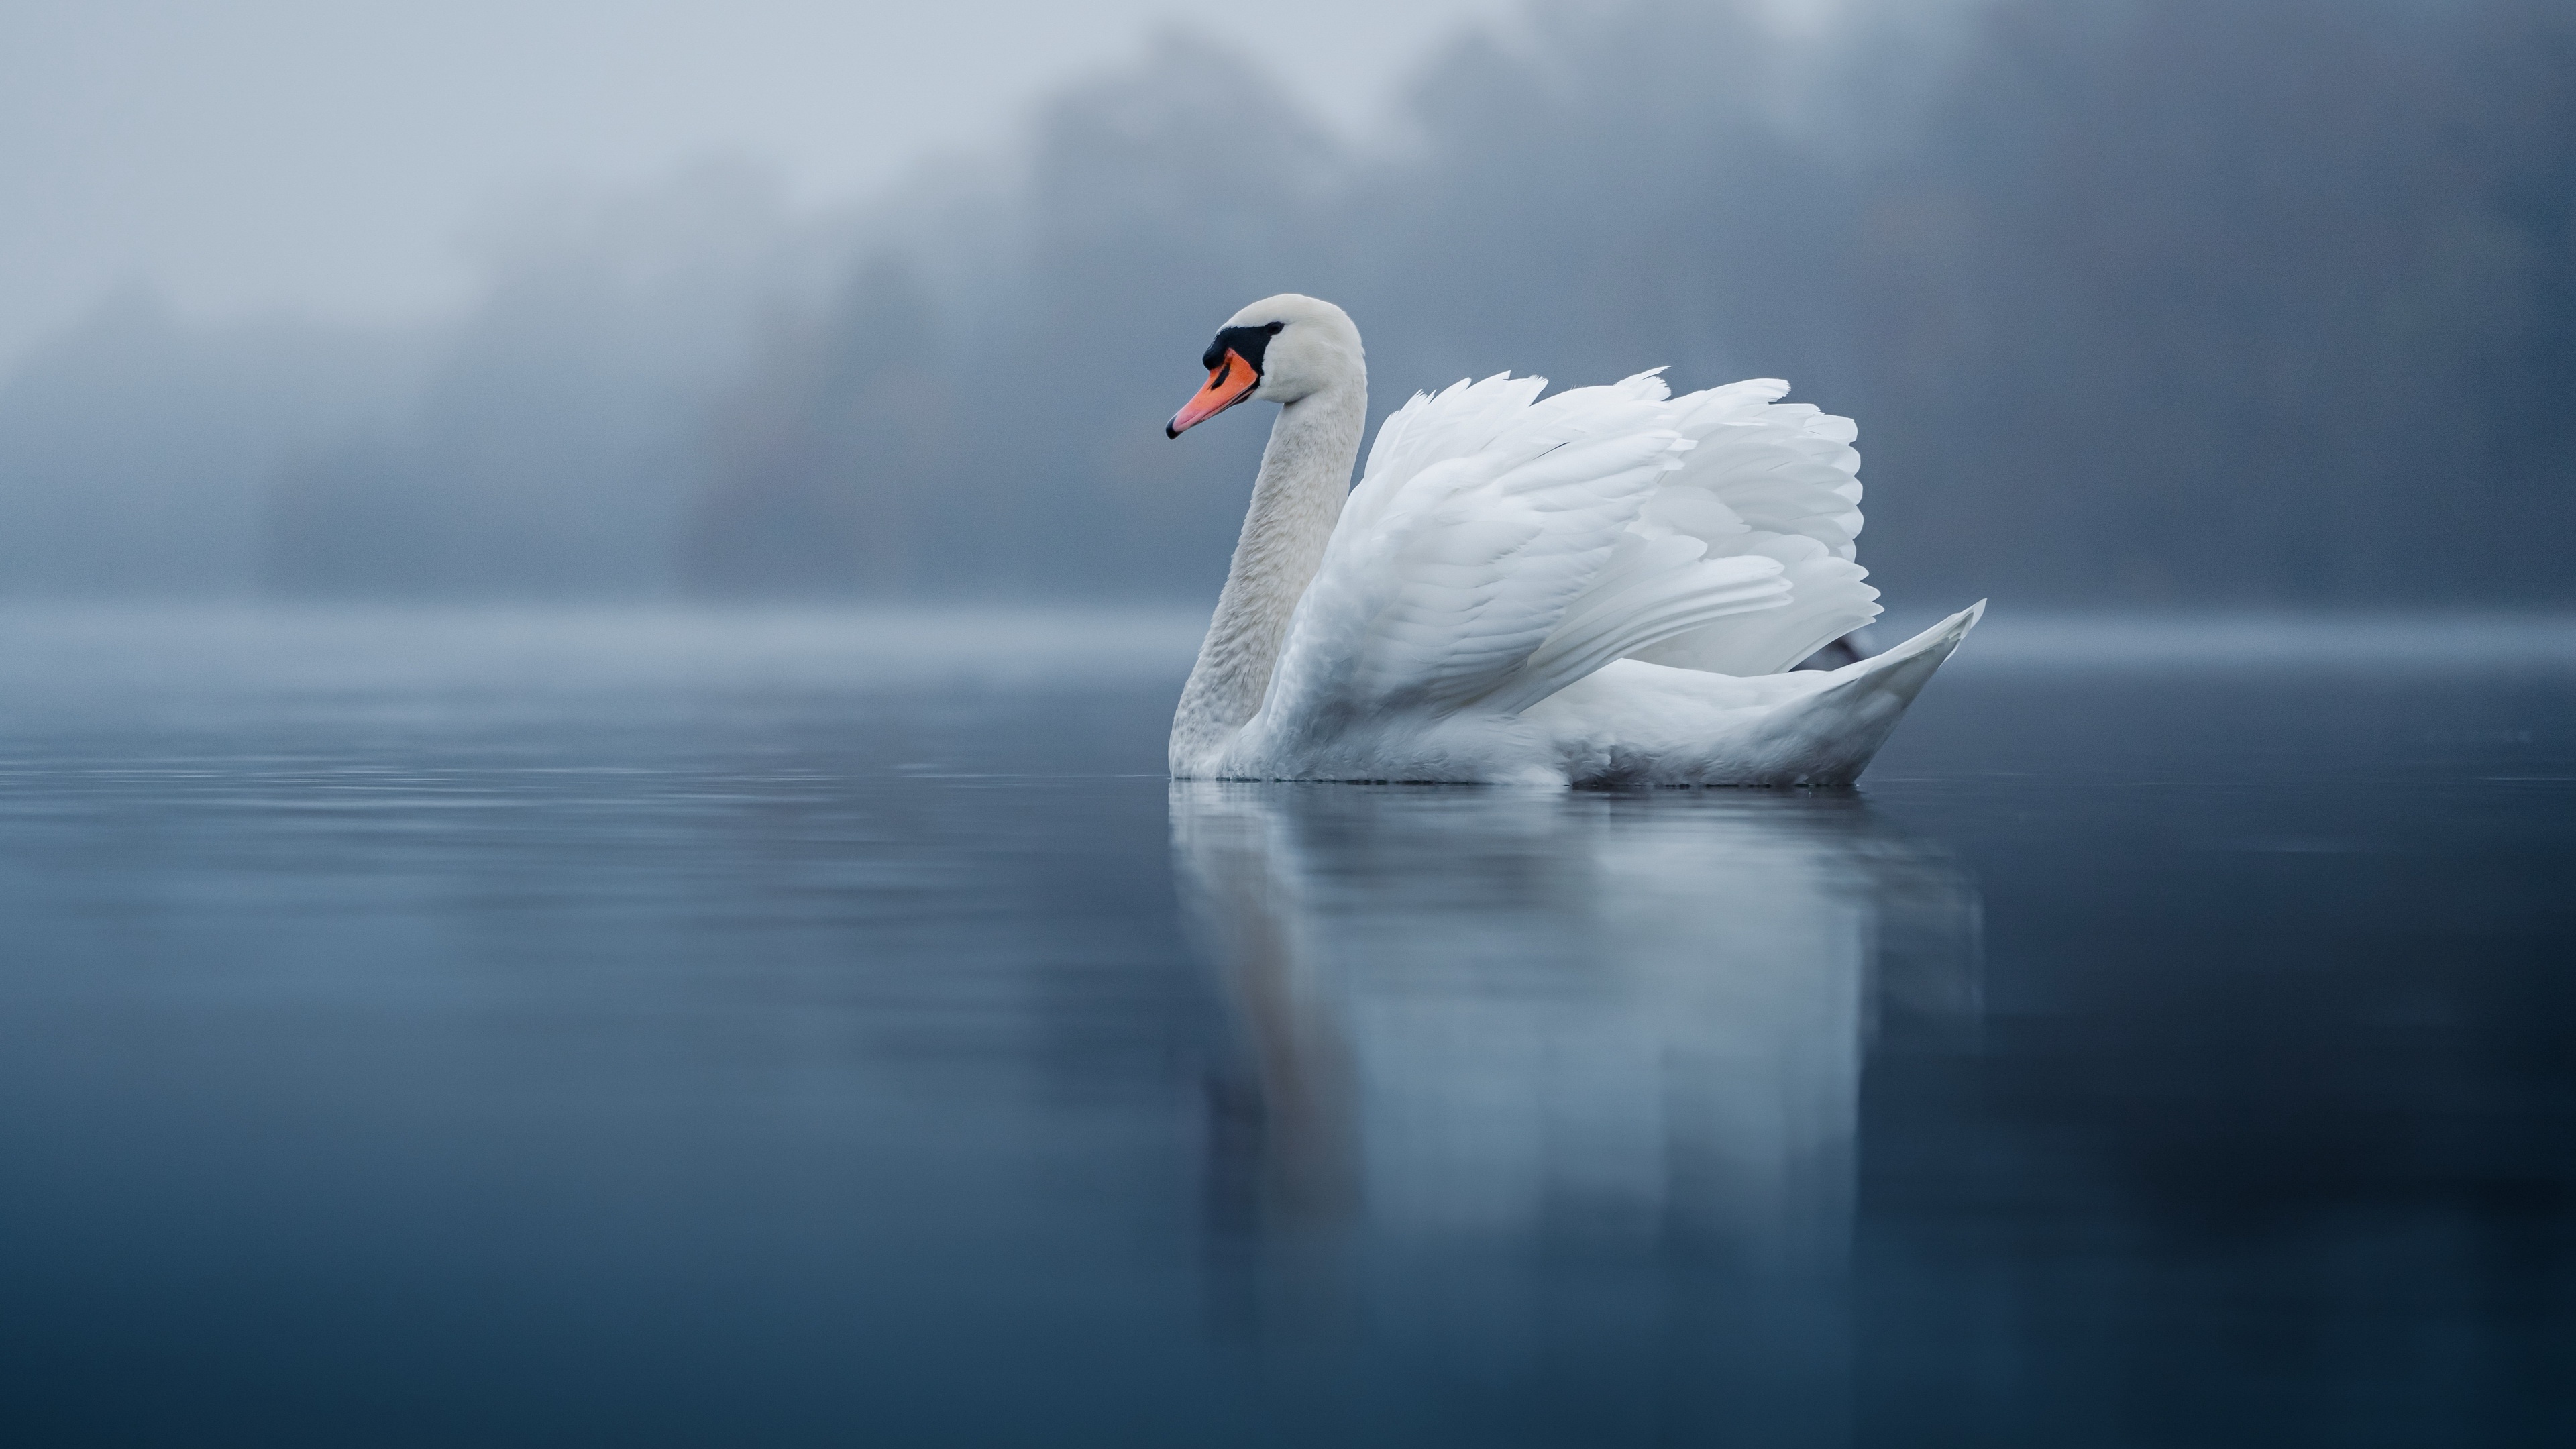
(1509, 563)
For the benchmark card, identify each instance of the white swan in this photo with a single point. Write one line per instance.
(1603, 587)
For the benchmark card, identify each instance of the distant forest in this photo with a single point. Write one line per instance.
(2138, 302)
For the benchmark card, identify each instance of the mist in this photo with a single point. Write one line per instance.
(610, 727)
(2184, 304)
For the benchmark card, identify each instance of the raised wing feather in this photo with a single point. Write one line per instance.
(1482, 515)
(1776, 481)
(1500, 547)
(1459, 420)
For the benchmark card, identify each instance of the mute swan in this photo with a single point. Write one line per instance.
(1604, 587)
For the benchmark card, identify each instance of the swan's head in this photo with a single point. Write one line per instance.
(1279, 349)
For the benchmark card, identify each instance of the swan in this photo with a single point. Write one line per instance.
(1609, 586)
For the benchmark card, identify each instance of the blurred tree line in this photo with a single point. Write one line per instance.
(2222, 301)
(2137, 301)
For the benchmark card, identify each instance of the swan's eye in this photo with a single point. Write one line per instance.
(1275, 328)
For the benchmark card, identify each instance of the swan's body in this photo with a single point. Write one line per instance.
(1607, 586)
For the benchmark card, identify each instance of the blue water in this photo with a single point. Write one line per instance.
(683, 1029)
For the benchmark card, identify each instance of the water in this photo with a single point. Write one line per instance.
(667, 1029)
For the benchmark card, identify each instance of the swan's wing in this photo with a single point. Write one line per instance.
(1771, 480)
(1490, 555)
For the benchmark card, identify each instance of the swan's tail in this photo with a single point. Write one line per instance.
(1844, 723)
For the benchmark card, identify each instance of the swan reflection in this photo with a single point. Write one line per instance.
(1476, 1014)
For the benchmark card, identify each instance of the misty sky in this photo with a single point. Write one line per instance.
(327, 156)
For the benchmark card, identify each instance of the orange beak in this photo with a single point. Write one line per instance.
(1231, 382)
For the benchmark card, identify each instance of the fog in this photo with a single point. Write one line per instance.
(342, 157)
(2187, 304)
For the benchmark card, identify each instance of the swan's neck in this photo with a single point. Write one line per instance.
(1305, 476)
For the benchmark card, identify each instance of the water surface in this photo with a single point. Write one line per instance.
(631, 1028)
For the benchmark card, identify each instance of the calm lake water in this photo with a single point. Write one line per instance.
(667, 1029)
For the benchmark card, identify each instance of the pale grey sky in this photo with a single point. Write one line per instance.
(327, 156)
(330, 157)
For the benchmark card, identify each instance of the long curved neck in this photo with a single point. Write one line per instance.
(1305, 476)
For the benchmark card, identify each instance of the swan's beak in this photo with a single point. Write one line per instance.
(1231, 382)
